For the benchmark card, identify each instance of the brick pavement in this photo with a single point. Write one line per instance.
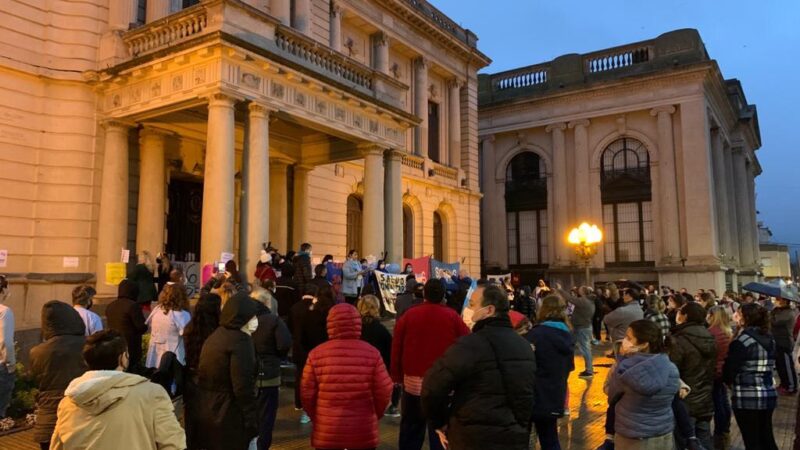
(583, 430)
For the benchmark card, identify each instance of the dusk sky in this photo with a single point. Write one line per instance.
(756, 42)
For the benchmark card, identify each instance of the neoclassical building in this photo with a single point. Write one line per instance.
(649, 141)
(211, 127)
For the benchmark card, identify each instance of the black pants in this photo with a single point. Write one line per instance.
(397, 391)
(267, 411)
(756, 428)
(547, 430)
(413, 425)
(785, 366)
(597, 326)
(351, 299)
(298, 378)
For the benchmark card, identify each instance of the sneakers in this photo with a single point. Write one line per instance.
(694, 444)
(586, 374)
(608, 444)
(595, 342)
(304, 419)
(392, 411)
(783, 391)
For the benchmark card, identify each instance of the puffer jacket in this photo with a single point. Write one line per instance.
(643, 386)
(226, 380)
(491, 373)
(345, 386)
(272, 341)
(693, 350)
(56, 362)
(106, 409)
(555, 355)
(303, 272)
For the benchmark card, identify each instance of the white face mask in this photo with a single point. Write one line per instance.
(466, 315)
(251, 326)
(628, 347)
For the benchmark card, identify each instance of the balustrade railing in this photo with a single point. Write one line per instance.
(414, 162)
(616, 59)
(168, 31)
(450, 173)
(524, 77)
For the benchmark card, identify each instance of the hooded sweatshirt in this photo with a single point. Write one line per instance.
(106, 409)
(125, 316)
(555, 351)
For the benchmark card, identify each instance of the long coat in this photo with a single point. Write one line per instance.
(125, 316)
(693, 349)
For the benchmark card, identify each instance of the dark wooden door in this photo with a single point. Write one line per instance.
(184, 218)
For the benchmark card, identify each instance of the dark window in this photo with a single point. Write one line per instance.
(408, 232)
(438, 237)
(354, 220)
(433, 131)
(184, 219)
(526, 210)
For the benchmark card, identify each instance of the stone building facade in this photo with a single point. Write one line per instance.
(649, 141)
(213, 127)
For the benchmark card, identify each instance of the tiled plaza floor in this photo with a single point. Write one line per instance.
(582, 430)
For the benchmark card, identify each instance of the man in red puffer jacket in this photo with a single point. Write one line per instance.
(345, 387)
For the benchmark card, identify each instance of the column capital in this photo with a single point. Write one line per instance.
(369, 148)
(579, 123)
(221, 99)
(394, 154)
(336, 9)
(454, 83)
(561, 126)
(381, 38)
(668, 109)
(117, 123)
(303, 167)
(151, 131)
(488, 138)
(260, 110)
(276, 162)
(421, 62)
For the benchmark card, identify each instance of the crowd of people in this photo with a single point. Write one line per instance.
(481, 365)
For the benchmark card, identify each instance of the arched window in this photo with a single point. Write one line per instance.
(354, 220)
(627, 208)
(408, 232)
(438, 236)
(526, 210)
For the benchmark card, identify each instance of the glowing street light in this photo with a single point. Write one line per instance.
(585, 238)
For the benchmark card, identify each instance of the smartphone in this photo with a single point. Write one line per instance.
(221, 267)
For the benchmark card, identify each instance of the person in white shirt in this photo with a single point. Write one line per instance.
(167, 323)
(82, 302)
(8, 359)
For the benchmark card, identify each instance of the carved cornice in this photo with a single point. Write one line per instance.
(583, 123)
(369, 148)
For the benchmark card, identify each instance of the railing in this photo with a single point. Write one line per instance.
(415, 162)
(616, 59)
(168, 31)
(439, 18)
(445, 172)
(524, 77)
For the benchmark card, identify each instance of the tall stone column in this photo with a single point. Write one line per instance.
(393, 199)
(751, 195)
(279, 205)
(281, 10)
(302, 16)
(258, 206)
(372, 216)
(721, 191)
(560, 178)
(670, 231)
(454, 147)
(336, 27)
(157, 9)
(300, 205)
(380, 41)
(582, 194)
(121, 13)
(152, 191)
(490, 241)
(733, 223)
(421, 106)
(218, 182)
(743, 210)
(112, 234)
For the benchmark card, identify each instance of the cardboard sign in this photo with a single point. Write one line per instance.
(390, 284)
(225, 257)
(126, 255)
(115, 273)
(71, 262)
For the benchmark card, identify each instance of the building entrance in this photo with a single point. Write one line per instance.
(184, 219)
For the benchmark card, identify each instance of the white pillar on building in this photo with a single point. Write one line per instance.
(670, 231)
(733, 223)
(751, 194)
(258, 206)
(454, 147)
(122, 13)
(582, 198)
(218, 181)
(151, 212)
(560, 179)
(112, 234)
(743, 210)
(302, 16)
(380, 41)
(393, 199)
(300, 205)
(156, 9)
(281, 10)
(372, 216)
(491, 242)
(421, 106)
(278, 204)
(721, 191)
(336, 27)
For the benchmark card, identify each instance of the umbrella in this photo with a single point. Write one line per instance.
(778, 288)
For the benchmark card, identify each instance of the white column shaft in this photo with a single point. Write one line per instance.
(279, 206)
(421, 106)
(373, 217)
(454, 150)
(336, 27)
(258, 207)
(394, 206)
(112, 234)
(560, 178)
(151, 211)
(743, 210)
(300, 206)
(281, 10)
(381, 43)
(302, 16)
(582, 198)
(157, 9)
(751, 195)
(733, 223)
(670, 231)
(721, 190)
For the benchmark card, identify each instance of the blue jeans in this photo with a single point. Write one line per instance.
(413, 424)
(722, 408)
(584, 341)
(6, 388)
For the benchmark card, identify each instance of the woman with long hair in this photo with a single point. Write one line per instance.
(719, 325)
(143, 274)
(655, 312)
(555, 353)
(167, 323)
(373, 331)
(308, 324)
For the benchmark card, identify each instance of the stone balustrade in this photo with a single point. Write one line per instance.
(616, 58)
(448, 173)
(168, 31)
(524, 77)
(414, 162)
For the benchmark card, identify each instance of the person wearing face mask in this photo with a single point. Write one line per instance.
(82, 302)
(618, 320)
(227, 416)
(302, 265)
(8, 360)
(106, 408)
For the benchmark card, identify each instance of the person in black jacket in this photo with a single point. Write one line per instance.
(524, 303)
(55, 363)
(373, 331)
(325, 289)
(272, 342)
(308, 323)
(287, 291)
(408, 298)
(302, 265)
(125, 316)
(491, 374)
(227, 415)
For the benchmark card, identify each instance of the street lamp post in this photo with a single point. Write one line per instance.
(585, 238)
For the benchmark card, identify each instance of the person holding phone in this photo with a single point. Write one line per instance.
(351, 274)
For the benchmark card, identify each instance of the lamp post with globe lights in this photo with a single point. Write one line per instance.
(585, 239)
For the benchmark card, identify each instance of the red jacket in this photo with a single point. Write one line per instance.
(722, 343)
(345, 386)
(422, 335)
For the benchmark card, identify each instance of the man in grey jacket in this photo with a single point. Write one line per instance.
(582, 322)
(618, 320)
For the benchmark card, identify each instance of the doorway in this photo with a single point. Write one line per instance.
(184, 219)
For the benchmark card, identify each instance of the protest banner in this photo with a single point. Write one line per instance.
(334, 277)
(420, 266)
(390, 285)
(498, 278)
(444, 270)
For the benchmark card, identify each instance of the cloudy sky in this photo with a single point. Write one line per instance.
(757, 42)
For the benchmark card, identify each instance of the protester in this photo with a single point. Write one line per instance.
(674, 303)
(167, 322)
(582, 326)
(302, 265)
(524, 303)
(8, 361)
(412, 295)
(620, 318)
(783, 319)
(693, 350)
(641, 387)
(307, 322)
(352, 274)
(421, 336)
(82, 297)
(125, 316)
(143, 275)
(554, 346)
(597, 317)
(55, 363)
(106, 408)
(324, 287)
(345, 386)
(373, 332)
(233, 277)
(272, 342)
(163, 270)
(265, 295)
(227, 416)
(480, 393)
(748, 369)
(654, 311)
(264, 270)
(720, 327)
(287, 292)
